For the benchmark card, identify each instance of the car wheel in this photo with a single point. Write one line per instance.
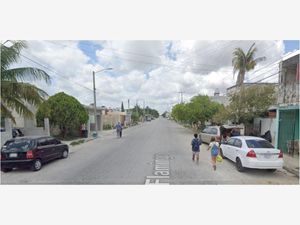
(5, 170)
(271, 170)
(65, 154)
(37, 165)
(221, 153)
(239, 165)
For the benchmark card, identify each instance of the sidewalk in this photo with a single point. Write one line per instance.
(291, 164)
(101, 134)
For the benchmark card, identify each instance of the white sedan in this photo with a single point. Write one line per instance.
(252, 152)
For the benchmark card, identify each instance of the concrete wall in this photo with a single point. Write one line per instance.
(113, 118)
(27, 131)
(8, 131)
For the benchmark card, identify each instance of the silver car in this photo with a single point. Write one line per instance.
(209, 132)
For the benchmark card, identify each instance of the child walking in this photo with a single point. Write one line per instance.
(196, 147)
(214, 147)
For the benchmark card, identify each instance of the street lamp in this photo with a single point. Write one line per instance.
(95, 108)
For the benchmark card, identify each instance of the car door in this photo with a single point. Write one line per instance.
(204, 135)
(43, 150)
(229, 149)
(57, 148)
(237, 148)
(54, 151)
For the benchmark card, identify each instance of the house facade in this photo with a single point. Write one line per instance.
(221, 99)
(288, 103)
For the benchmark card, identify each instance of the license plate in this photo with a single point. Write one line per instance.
(267, 156)
(13, 155)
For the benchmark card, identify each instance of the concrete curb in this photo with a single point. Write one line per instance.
(293, 171)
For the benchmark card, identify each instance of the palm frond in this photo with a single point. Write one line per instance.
(25, 73)
(19, 106)
(10, 55)
(6, 113)
(25, 91)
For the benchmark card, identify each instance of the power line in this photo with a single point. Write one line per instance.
(253, 78)
(126, 52)
(84, 96)
(277, 61)
(33, 61)
(54, 71)
(268, 77)
(145, 62)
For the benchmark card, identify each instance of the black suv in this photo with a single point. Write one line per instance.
(31, 152)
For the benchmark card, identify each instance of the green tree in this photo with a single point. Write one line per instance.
(179, 112)
(221, 116)
(16, 91)
(135, 117)
(122, 107)
(244, 62)
(200, 108)
(250, 102)
(64, 111)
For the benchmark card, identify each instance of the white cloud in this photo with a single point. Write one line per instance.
(145, 69)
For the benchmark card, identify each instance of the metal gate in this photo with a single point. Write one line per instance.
(288, 127)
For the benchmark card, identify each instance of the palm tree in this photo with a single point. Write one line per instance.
(16, 94)
(244, 62)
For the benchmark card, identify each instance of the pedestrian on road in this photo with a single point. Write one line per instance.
(214, 147)
(196, 142)
(119, 129)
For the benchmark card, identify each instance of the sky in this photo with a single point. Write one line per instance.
(153, 72)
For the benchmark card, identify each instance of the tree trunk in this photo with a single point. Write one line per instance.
(240, 78)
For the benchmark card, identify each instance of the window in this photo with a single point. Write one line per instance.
(231, 141)
(213, 131)
(206, 130)
(238, 143)
(42, 142)
(19, 144)
(259, 144)
(51, 141)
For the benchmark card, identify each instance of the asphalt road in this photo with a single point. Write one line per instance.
(154, 152)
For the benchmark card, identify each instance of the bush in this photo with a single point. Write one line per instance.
(107, 127)
(63, 111)
(77, 142)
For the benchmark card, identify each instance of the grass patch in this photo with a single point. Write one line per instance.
(76, 142)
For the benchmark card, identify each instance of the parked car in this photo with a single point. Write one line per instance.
(209, 132)
(31, 152)
(252, 152)
(217, 131)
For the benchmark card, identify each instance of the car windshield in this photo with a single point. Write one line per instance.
(21, 144)
(259, 144)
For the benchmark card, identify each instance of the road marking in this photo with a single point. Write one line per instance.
(161, 170)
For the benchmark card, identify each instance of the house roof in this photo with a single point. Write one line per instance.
(290, 55)
(255, 83)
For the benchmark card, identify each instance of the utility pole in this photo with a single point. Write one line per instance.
(128, 104)
(181, 96)
(95, 109)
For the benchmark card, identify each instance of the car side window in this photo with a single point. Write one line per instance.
(238, 143)
(42, 142)
(51, 141)
(56, 142)
(205, 130)
(231, 141)
(213, 131)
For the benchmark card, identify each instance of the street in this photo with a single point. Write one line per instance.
(156, 152)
